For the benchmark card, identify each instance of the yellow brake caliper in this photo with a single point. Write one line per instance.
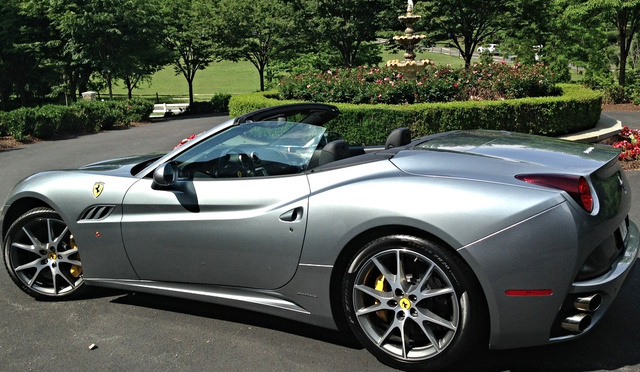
(382, 286)
(75, 269)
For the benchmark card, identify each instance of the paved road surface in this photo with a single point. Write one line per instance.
(150, 333)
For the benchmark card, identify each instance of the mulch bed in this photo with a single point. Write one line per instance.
(630, 165)
(8, 142)
(621, 107)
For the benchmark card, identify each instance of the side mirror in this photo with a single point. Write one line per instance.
(166, 174)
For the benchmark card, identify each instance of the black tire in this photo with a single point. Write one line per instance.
(41, 257)
(427, 317)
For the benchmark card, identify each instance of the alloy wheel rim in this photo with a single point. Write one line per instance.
(406, 304)
(44, 257)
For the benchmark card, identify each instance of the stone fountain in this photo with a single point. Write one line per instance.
(409, 67)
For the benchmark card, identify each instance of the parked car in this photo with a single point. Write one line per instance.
(491, 49)
(417, 246)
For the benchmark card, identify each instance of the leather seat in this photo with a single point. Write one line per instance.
(333, 151)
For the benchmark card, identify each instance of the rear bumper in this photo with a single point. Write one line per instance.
(607, 286)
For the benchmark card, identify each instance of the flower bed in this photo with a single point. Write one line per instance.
(629, 148)
(375, 85)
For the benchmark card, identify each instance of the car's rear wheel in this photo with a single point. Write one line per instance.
(41, 256)
(411, 303)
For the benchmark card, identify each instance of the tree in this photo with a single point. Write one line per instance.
(24, 51)
(140, 51)
(189, 36)
(467, 23)
(345, 25)
(624, 15)
(259, 31)
(141, 66)
(107, 36)
(537, 33)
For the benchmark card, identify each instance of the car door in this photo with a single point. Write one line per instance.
(245, 232)
(234, 212)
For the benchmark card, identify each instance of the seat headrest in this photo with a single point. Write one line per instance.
(399, 137)
(334, 150)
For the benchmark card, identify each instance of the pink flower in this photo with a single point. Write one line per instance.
(379, 95)
(455, 85)
(329, 72)
(419, 83)
(308, 85)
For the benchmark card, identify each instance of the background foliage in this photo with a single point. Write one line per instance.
(50, 51)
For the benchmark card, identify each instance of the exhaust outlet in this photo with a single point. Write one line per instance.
(588, 304)
(577, 323)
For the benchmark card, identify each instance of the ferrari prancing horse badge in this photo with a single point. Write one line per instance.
(97, 189)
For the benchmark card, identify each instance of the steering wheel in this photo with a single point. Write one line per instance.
(235, 163)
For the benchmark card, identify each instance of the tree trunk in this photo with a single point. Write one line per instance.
(624, 53)
(261, 73)
(110, 85)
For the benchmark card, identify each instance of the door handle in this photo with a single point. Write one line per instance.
(292, 215)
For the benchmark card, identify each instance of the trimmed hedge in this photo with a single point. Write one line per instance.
(219, 103)
(577, 109)
(81, 117)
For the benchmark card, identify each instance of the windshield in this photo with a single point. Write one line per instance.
(253, 149)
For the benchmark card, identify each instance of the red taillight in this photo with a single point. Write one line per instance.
(577, 187)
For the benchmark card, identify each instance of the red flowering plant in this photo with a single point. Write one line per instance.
(371, 85)
(629, 147)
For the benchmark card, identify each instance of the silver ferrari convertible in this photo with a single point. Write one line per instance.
(419, 247)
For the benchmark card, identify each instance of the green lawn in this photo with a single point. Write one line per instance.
(233, 78)
(220, 77)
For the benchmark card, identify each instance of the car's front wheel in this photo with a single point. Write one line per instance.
(41, 256)
(412, 303)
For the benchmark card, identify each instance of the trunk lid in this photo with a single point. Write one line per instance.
(549, 153)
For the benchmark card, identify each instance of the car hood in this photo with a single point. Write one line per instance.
(122, 166)
(483, 152)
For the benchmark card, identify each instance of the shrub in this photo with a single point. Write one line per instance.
(373, 85)
(220, 102)
(98, 114)
(4, 125)
(51, 120)
(577, 109)
(197, 108)
(85, 116)
(614, 94)
(19, 122)
(136, 110)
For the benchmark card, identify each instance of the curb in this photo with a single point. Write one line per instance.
(606, 128)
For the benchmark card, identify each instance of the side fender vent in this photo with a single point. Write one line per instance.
(96, 213)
